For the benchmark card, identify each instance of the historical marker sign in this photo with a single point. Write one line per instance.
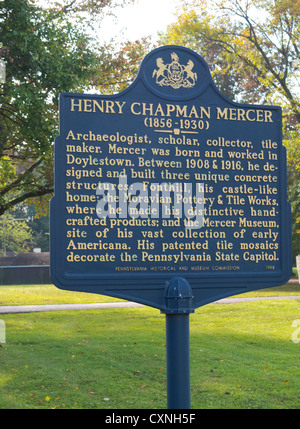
(169, 179)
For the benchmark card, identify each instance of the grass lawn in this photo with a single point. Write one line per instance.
(49, 294)
(242, 355)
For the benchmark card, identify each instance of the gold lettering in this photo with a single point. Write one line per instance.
(74, 104)
(87, 105)
(251, 115)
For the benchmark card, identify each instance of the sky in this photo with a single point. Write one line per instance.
(143, 18)
(137, 20)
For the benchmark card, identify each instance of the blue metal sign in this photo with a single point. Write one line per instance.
(169, 179)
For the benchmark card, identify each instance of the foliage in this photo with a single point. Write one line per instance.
(40, 232)
(292, 144)
(39, 225)
(46, 51)
(251, 44)
(252, 49)
(15, 235)
(120, 65)
(44, 55)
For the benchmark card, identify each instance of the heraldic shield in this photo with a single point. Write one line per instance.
(176, 72)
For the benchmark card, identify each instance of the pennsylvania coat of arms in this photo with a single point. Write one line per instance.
(175, 74)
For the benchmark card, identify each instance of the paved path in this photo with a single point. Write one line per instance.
(7, 309)
(58, 307)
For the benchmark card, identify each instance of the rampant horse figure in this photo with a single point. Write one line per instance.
(160, 72)
(190, 74)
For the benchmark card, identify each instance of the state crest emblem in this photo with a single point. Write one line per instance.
(174, 74)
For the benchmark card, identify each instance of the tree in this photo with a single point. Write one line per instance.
(293, 184)
(46, 51)
(120, 65)
(254, 42)
(43, 56)
(15, 235)
(39, 225)
(252, 49)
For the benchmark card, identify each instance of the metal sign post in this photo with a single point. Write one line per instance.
(178, 361)
(179, 298)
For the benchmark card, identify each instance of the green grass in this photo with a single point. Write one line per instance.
(49, 294)
(46, 294)
(242, 355)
